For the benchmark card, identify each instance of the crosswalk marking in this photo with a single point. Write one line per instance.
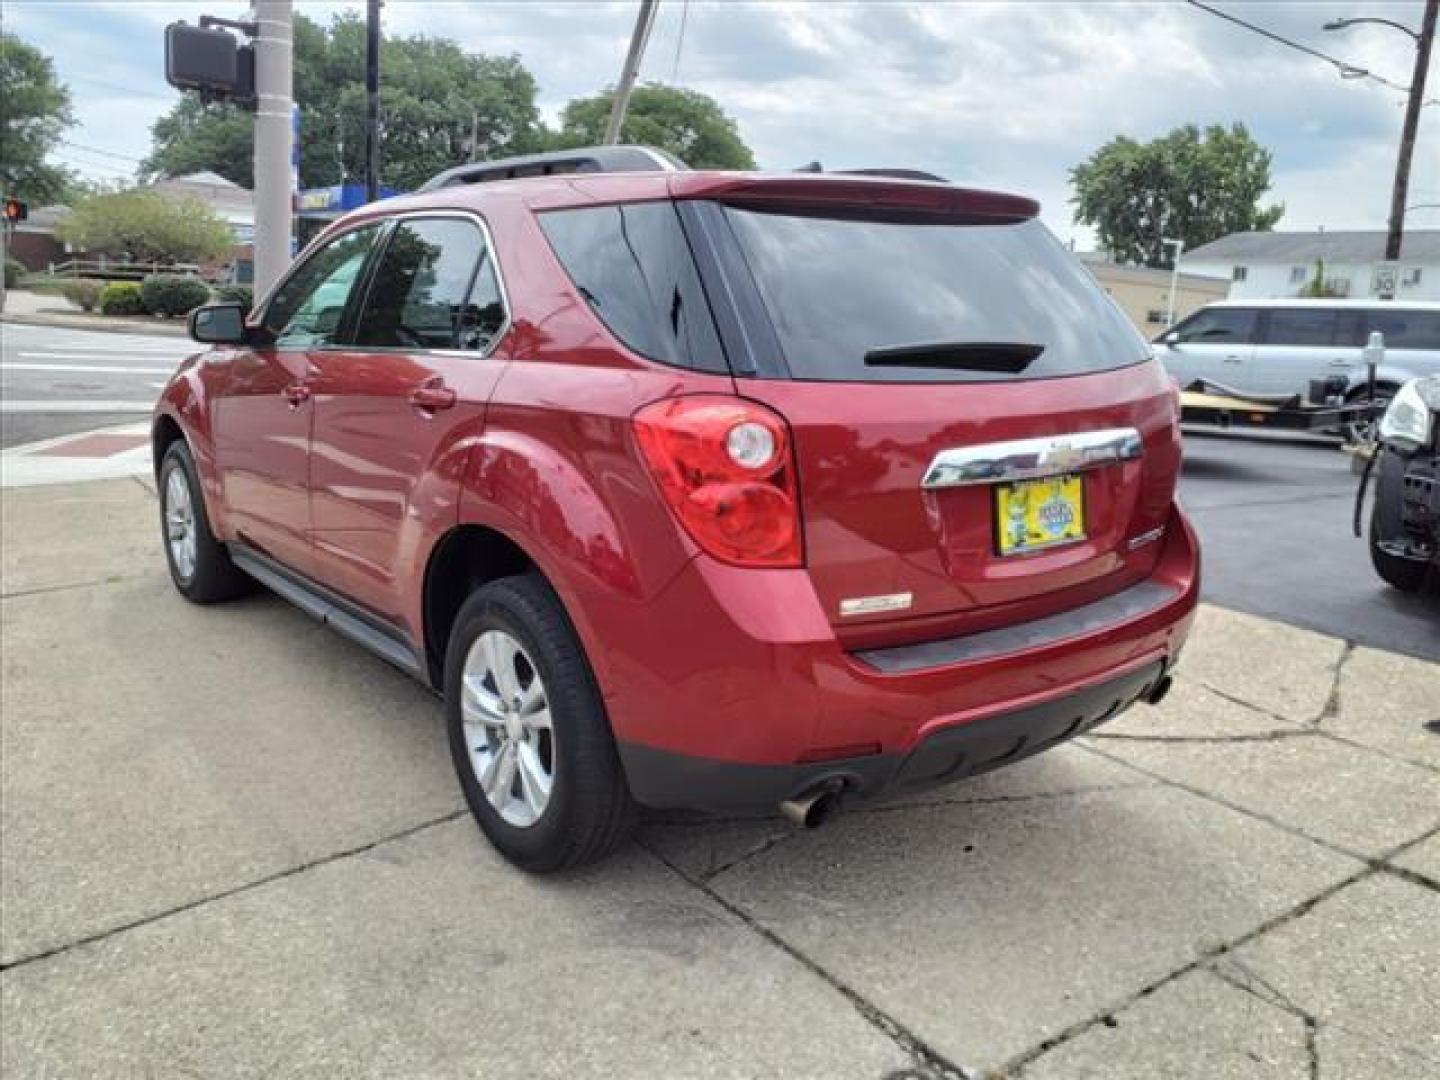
(90, 369)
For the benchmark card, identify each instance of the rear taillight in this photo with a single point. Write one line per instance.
(725, 467)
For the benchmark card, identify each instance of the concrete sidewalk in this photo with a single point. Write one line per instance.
(42, 309)
(231, 844)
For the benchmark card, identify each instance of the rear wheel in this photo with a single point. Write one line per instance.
(1404, 574)
(528, 730)
(200, 566)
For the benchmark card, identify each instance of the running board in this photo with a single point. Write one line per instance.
(368, 631)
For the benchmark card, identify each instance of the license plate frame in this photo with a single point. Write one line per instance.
(1038, 514)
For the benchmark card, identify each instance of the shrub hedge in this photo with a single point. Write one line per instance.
(236, 294)
(82, 291)
(14, 272)
(121, 298)
(169, 295)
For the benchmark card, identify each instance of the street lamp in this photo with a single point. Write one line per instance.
(1423, 41)
(1179, 246)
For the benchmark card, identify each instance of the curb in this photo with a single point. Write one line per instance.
(99, 323)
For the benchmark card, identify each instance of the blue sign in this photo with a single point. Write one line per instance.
(336, 199)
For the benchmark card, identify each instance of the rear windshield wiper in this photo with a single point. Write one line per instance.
(1005, 357)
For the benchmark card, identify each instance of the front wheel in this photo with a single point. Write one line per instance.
(199, 565)
(528, 731)
(1407, 575)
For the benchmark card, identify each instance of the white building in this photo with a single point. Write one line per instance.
(1273, 265)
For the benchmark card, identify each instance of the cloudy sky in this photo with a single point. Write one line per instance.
(1005, 95)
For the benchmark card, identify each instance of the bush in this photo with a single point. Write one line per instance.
(121, 298)
(83, 292)
(14, 272)
(169, 295)
(236, 294)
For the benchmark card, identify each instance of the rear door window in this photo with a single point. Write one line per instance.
(885, 299)
(434, 287)
(1218, 326)
(1302, 326)
(633, 266)
(1408, 329)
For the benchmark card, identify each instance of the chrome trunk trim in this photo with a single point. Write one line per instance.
(1028, 459)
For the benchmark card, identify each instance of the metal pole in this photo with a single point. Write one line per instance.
(4, 255)
(629, 72)
(372, 100)
(274, 136)
(1179, 246)
(1407, 135)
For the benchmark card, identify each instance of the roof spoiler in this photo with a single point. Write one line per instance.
(583, 159)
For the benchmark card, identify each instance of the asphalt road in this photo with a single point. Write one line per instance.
(1274, 518)
(1274, 515)
(56, 382)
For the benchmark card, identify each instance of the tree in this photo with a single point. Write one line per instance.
(685, 123)
(147, 226)
(34, 112)
(1188, 185)
(432, 95)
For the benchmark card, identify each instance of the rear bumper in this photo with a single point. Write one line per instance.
(666, 779)
(731, 689)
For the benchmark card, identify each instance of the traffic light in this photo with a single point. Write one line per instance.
(15, 211)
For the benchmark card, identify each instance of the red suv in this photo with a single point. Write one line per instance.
(696, 489)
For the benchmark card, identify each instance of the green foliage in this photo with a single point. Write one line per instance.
(236, 294)
(34, 112)
(1317, 287)
(431, 93)
(169, 295)
(14, 272)
(146, 226)
(686, 123)
(82, 292)
(121, 298)
(1189, 185)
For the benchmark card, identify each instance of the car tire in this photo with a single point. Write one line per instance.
(549, 792)
(199, 564)
(1407, 575)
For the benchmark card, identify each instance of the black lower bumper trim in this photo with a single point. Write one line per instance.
(667, 780)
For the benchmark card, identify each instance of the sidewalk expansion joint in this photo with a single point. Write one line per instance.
(1331, 708)
(988, 800)
(1204, 961)
(929, 1064)
(1235, 972)
(235, 890)
(41, 590)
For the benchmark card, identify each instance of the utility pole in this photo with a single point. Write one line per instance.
(1423, 43)
(631, 70)
(372, 100)
(274, 138)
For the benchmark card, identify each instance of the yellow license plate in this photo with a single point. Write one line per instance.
(1033, 514)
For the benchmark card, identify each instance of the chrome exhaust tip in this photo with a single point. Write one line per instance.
(815, 807)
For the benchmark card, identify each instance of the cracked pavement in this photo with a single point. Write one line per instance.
(231, 844)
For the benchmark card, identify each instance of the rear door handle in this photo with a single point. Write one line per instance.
(296, 394)
(432, 396)
(1232, 359)
(1340, 361)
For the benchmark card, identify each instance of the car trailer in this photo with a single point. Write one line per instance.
(1224, 411)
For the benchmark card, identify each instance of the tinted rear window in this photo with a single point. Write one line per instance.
(633, 266)
(837, 288)
(1408, 329)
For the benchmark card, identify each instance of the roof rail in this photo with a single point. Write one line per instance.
(583, 159)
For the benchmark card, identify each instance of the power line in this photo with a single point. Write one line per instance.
(680, 42)
(1345, 68)
(97, 150)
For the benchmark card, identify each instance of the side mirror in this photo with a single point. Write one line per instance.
(219, 324)
(1171, 337)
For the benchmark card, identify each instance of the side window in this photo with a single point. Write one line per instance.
(633, 266)
(1408, 329)
(1218, 326)
(309, 308)
(433, 288)
(1302, 326)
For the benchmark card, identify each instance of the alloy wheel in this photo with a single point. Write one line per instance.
(508, 730)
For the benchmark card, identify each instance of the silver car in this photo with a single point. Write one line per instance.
(1275, 347)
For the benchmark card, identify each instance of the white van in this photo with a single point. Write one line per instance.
(1275, 347)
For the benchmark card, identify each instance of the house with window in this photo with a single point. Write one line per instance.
(1143, 293)
(1275, 265)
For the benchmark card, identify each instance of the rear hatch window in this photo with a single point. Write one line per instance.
(860, 299)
